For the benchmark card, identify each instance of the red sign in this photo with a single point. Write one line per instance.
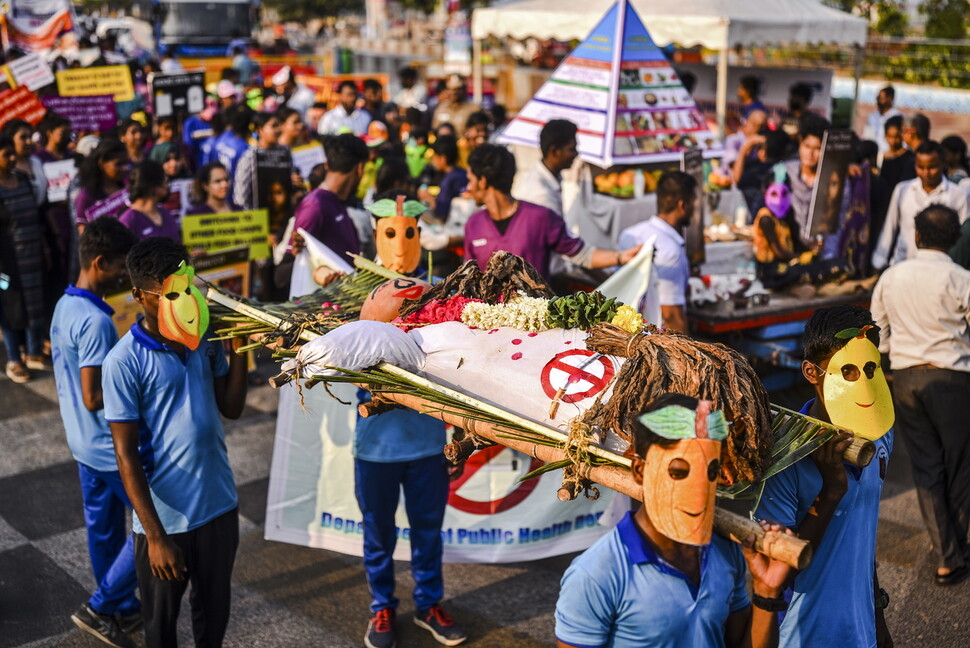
(20, 104)
(569, 371)
(475, 463)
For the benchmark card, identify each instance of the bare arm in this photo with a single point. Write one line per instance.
(601, 258)
(91, 392)
(230, 390)
(674, 318)
(835, 483)
(164, 555)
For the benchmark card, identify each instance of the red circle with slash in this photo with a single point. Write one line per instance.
(579, 383)
(475, 463)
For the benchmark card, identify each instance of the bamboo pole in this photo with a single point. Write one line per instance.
(791, 550)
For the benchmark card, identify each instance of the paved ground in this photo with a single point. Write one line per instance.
(295, 596)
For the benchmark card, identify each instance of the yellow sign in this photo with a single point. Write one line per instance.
(216, 232)
(106, 80)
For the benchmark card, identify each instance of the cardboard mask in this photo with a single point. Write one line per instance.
(680, 480)
(183, 315)
(397, 234)
(856, 394)
(778, 195)
(383, 304)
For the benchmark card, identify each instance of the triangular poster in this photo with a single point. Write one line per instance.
(619, 89)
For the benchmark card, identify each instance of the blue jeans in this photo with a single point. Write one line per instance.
(13, 339)
(111, 549)
(378, 489)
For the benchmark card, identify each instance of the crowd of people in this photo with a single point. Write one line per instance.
(116, 224)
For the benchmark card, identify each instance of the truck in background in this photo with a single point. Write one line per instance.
(203, 29)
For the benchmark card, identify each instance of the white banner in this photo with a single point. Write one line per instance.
(34, 25)
(491, 516)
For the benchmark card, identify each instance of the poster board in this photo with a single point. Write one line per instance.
(180, 94)
(179, 197)
(830, 181)
(20, 103)
(114, 80)
(112, 205)
(325, 86)
(306, 157)
(30, 71)
(214, 233)
(624, 96)
(692, 163)
(273, 185)
(59, 175)
(86, 114)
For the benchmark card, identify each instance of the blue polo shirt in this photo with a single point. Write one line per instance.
(832, 602)
(82, 334)
(397, 435)
(619, 593)
(181, 440)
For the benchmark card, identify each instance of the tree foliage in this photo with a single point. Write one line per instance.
(303, 10)
(945, 18)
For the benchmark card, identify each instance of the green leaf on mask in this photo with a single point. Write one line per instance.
(848, 334)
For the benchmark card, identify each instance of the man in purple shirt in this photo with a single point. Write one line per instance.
(323, 213)
(532, 232)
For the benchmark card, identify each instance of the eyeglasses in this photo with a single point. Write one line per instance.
(851, 372)
(171, 296)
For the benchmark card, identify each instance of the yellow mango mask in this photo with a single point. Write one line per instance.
(183, 315)
(680, 480)
(397, 234)
(855, 391)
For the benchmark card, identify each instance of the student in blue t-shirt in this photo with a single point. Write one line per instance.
(82, 334)
(836, 601)
(163, 399)
(234, 140)
(660, 578)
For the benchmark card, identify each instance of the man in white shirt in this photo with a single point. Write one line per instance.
(346, 117)
(922, 306)
(897, 240)
(676, 200)
(542, 185)
(412, 94)
(875, 128)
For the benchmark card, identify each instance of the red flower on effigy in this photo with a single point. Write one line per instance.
(435, 311)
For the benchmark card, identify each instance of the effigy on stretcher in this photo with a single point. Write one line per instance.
(559, 379)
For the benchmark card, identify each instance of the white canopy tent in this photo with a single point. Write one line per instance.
(713, 24)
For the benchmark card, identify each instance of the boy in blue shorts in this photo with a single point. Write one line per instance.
(836, 600)
(164, 388)
(82, 334)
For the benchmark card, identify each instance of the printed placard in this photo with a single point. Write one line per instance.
(59, 175)
(692, 163)
(29, 71)
(833, 169)
(20, 104)
(306, 157)
(177, 94)
(217, 232)
(114, 80)
(92, 113)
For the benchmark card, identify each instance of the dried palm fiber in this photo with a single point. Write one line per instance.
(659, 363)
(504, 275)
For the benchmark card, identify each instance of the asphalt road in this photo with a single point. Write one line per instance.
(286, 595)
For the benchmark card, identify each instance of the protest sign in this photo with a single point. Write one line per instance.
(34, 25)
(113, 205)
(692, 163)
(217, 232)
(177, 94)
(29, 71)
(114, 80)
(306, 157)
(20, 104)
(273, 186)
(179, 197)
(59, 175)
(829, 189)
(92, 113)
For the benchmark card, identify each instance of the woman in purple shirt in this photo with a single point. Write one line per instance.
(532, 232)
(102, 180)
(147, 186)
(211, 189)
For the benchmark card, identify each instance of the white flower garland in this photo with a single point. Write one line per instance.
(519, 312)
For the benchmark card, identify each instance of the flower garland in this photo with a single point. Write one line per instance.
(519, 312)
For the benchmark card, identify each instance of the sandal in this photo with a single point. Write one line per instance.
(37, 363)
(17, 372)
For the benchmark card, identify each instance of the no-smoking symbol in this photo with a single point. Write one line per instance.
(569, 370)
(475, 463)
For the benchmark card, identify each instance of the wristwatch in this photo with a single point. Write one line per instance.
(769, 604)
(882, 601)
